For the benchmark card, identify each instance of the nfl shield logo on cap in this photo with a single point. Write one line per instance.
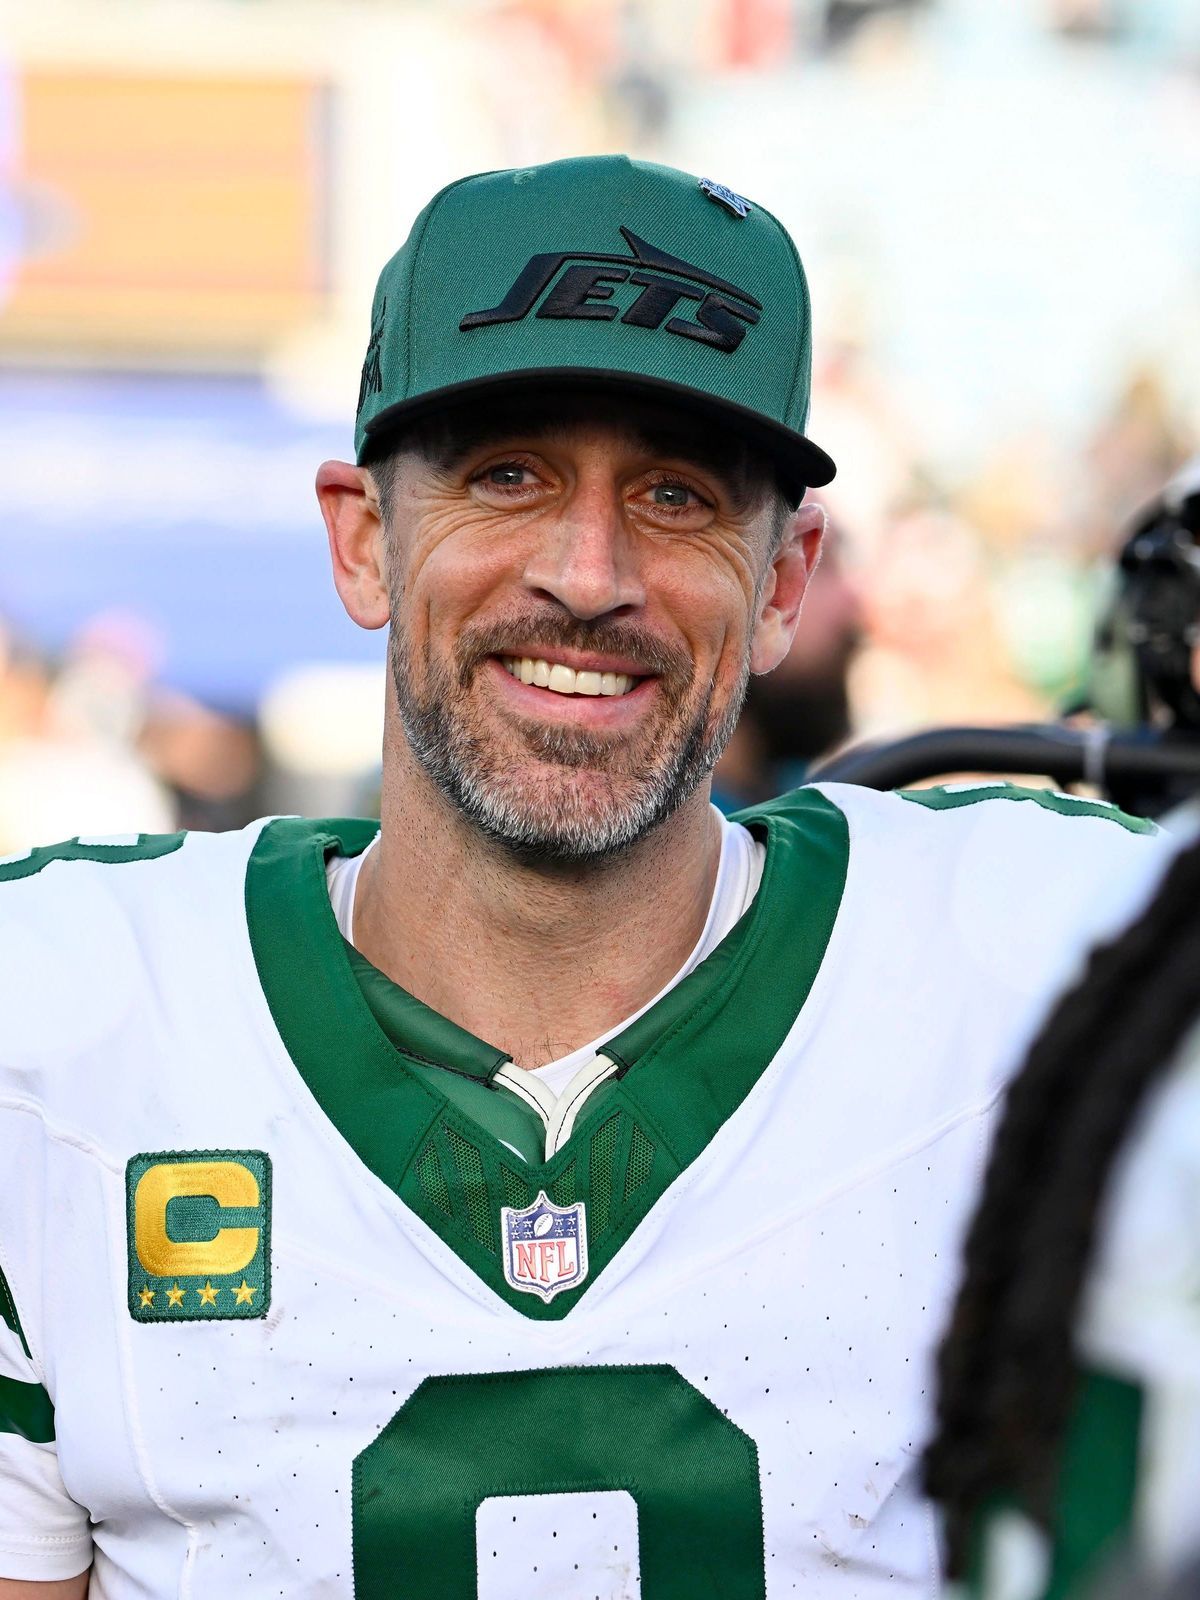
(544, 1246)
(737, 203)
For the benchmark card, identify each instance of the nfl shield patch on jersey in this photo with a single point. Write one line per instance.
(199, 1226)
(545, 1246)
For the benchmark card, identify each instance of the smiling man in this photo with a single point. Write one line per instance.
(553, 1190)
(577, 592)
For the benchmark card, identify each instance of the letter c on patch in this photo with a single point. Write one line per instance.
(228, 1183)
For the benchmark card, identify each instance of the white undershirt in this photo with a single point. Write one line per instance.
(739, 873)
(341, 874)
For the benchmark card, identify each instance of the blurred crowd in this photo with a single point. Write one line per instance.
(91, 744)
(968, 604)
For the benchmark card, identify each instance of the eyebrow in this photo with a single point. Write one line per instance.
(456, 438)
(698, 446)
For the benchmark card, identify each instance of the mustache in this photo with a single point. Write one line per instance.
(532, 630)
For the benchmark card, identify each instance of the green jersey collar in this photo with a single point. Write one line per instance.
(685, 1065)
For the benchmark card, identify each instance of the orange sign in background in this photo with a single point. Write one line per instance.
(168, 214)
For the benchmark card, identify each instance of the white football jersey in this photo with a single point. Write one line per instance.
(293, 1304)
(1129, 1484)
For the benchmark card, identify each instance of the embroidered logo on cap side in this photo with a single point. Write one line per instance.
(371, 381)
(736, 203)
(544, 1246)
(199, 1230)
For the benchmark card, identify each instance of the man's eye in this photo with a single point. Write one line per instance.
(671, 494)
(508, 475)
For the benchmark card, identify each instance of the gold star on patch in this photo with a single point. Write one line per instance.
(175, 1296)
(208, 1295)
(146, 1296)
(244, 1294)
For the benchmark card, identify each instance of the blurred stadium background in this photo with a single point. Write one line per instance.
(998, 206)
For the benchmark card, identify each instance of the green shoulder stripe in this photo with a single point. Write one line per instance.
(1067, 805)
(1092, 1516)
(25, 1410)
(8, 1313)
(121, 847)
(1098, 1481)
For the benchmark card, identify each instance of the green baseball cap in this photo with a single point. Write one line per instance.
(600, 271)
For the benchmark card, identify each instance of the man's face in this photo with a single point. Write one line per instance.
(574, 603)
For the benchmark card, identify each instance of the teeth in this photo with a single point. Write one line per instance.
(621, 682)
(565, 680)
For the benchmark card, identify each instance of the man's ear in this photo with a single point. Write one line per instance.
(792, 568)
(350, 507)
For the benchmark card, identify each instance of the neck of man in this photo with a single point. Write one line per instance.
(536, 959)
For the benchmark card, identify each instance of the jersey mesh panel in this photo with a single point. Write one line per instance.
(604, 1144)
(562, 1190)
(470, 1168)
(517, 1192)
(433, 1180)
(641, 1161)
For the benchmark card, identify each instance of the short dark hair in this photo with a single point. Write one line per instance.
(443, 437)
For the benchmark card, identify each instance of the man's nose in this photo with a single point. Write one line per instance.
(586, 557)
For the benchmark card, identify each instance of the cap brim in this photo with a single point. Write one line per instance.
(802, 464)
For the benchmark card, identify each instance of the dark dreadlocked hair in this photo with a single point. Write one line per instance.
(1007, 1370)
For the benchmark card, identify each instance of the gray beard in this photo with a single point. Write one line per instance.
(549, 823)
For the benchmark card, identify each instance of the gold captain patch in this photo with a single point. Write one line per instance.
(199, 1227)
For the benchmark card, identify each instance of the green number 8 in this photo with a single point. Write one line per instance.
(457, 1441)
